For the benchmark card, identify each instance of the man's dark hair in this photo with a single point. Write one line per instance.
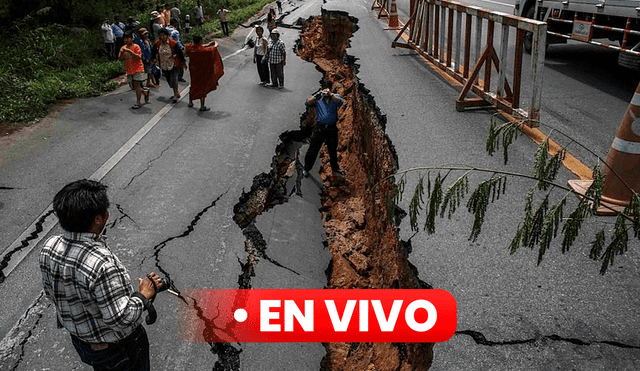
(197, 39)
(79, 202)
(164, 31)
(128, 34)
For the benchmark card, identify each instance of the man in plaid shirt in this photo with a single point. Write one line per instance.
(277, 56)
(90, 288)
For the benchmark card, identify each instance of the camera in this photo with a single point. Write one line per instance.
(321, 94)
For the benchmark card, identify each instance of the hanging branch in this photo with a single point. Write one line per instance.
(455, 194)
(539, 227)
(416, 204)
(479, 200)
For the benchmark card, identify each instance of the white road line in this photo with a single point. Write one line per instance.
(17, 255)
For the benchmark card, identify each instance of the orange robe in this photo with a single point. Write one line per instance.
(205, 67)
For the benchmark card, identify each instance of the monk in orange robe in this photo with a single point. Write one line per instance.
(205, 67)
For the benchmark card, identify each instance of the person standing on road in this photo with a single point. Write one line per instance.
(175, 15)
(109, 40)
(199, 14)
(171, 58)
(166, 14)
(277, 57)
(145, 46)
(260, 55)
(89, 286)
(131, 54)
(325, 131)
(271, 20)
(205, 67)
(279, 3)
(157, 25)
(175, 35)
(117, 28)
(222, 13)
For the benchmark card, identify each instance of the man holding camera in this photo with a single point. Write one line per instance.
(325, 131)
(90, 288)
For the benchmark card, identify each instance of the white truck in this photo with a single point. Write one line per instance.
(611, 24)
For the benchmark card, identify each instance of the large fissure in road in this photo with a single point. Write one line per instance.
(365, 246)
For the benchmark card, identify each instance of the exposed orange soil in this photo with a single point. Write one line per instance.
(365, 247)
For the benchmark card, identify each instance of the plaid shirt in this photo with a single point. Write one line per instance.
(276, 52)
(89, 287)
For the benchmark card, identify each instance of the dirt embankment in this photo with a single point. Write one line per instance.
(365, 247)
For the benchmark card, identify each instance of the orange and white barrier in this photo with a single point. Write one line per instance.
(622, 175)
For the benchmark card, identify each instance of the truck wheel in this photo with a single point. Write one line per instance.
(630, 61)
(528, 36)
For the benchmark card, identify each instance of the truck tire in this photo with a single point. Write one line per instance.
(630, 61)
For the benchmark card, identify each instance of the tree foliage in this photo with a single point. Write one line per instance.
(543, 215)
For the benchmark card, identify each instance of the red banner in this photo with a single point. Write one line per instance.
(318, 316)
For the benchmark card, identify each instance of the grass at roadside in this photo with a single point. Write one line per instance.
(240, 11)
(40, 66)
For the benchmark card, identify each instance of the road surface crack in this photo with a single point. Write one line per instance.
(480, 339)
(150, 163)
(190, 228)
(17, 338)
(24, 243)
(122, 216)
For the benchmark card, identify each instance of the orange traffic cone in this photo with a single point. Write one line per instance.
(622, 176)
(393, 15)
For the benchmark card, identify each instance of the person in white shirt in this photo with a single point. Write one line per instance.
(175, 15)
(260, 55)
(109, 40)
(199, 14)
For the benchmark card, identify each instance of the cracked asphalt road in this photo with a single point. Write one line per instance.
(512, 314)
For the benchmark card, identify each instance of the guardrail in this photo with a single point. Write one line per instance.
(435, 31)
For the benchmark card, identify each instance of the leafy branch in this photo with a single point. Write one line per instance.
(542, 222)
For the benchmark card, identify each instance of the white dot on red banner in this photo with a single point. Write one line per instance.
(240, 315)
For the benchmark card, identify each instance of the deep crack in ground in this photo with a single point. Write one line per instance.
(362, 236)
(480, 339)
(24, 243)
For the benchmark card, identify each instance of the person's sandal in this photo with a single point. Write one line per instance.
(190, 104)
(146, 96)
(204, 109)
(136, 106)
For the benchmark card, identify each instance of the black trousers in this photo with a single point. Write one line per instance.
(327, 134)
(129, 354)
(263, 70)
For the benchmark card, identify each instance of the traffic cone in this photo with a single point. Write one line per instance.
(622, 176)
(393, 15)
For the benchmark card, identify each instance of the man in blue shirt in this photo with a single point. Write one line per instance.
(325, 131)
(118, 32)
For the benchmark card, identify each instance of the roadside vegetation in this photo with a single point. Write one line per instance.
(53, 51)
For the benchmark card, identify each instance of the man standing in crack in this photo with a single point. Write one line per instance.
(90, 288)
(325, 131)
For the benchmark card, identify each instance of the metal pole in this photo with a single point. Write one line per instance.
(504, 45)
(537, 67)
